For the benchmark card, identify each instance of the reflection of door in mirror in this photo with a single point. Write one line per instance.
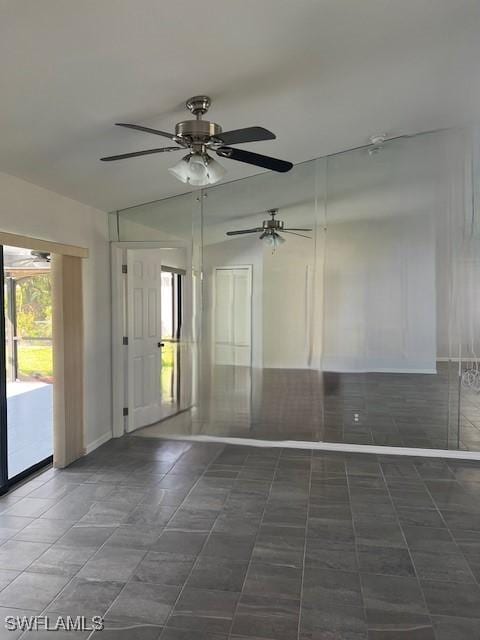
(233, 313)
(155, 352)
(144, 313)
(172, 287)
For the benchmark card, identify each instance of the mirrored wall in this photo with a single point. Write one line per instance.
(358, 323)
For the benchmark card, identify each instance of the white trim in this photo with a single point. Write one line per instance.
(326, 369)
(98, 442)
(26, 242)
(327, 446)
(118, 368)
(118, 291)
(149, 244)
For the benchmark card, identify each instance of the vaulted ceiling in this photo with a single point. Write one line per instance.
(322, 74)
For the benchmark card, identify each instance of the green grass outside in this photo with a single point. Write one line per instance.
(35, 360)
(168, 355)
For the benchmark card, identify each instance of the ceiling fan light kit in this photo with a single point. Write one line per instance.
(198, 169)
(273, 240)
(200, 137)
(269, 231)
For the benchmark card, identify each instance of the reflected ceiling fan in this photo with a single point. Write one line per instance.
(269, 231)
(26, 261)
(41, 256)
(200, 137)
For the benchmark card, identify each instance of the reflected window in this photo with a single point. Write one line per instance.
(171, 303)
(171, 322)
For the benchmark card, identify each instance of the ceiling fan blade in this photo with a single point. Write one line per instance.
(294, 229)
(255, 158)
(248, 134)
(237, 233)
(294, 234)
(139, 127)
(146, 152)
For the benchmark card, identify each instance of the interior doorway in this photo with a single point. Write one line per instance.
(27, 361)
(154, 345)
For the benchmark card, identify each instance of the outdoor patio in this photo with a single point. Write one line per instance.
(30, 433)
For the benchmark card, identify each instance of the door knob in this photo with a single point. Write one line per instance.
(161, 344)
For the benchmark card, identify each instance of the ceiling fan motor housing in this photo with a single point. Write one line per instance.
(276, 225)
(273, 224)
(198, 131)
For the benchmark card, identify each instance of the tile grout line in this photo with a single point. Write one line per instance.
(305, 546)
(229, 634)
(429, 615)
(364, 607)
(21, 572)
(164, 528)
(449, 530)
(197, 557)
(75, 575)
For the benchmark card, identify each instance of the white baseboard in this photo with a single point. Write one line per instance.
(332, 446)
(98, 442)
(328, 369)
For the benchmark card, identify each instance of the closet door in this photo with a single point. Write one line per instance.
(233, 314)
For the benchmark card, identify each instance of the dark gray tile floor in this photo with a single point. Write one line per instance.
(429, 411)
(176, 540)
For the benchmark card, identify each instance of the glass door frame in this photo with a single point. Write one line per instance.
(177, 320)
(5, 482)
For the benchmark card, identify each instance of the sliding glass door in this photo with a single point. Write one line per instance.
(26, 365)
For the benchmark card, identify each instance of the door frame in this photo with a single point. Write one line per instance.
(118, 257)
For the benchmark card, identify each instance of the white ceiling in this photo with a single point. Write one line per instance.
(322, 74)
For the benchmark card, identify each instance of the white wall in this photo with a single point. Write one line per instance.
(29, 210)
(380, 307)
(288, 299)
(458, 248)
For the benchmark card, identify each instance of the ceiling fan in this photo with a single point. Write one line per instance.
(269, 231)
(41, 256)
(200, 137)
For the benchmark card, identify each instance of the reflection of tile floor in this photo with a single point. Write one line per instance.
(181, 540)
(409, 410)
(30, 420)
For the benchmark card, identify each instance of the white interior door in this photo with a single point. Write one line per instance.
(233, 316)
(144, 337)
